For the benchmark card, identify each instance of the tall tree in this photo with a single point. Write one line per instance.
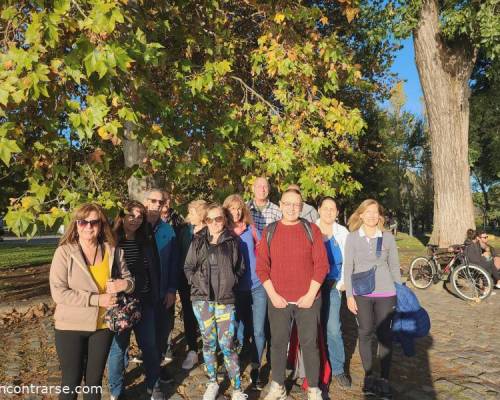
(447, 37)
(212, 92)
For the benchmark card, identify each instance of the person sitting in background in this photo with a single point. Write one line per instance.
(475, 247)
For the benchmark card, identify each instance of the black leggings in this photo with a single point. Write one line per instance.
(375, 316)
(82, 355)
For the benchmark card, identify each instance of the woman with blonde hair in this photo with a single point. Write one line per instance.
(251, 299)
(82, 288)
(197, 211)
(371, 268)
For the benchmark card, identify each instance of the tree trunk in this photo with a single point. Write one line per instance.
(444, 71)
(134, 153)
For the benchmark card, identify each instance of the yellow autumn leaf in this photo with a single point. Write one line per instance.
(155, 128)
(357, 74)
(103, 133)
(324, 20)
(114, 101)
(279, 18)
(27, 202)
(204, 160)
(350, 13)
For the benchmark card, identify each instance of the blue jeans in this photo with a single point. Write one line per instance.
(145, 334)
(331, 322)
(259, 314)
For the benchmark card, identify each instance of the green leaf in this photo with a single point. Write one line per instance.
(7, 148)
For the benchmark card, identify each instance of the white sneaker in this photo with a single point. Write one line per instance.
(211, 391)
(314, 394)
(276, 392)
(191, 360)
(498, 285)
(239, 395)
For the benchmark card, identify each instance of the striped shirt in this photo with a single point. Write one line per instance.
(263, 216)
(132, 253)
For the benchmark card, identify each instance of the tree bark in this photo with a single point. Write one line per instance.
(134, 153)
(444, 70)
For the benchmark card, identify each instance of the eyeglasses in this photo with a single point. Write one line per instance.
(484, 237)
(292, 205)
(217, 219)
(156, 201)
(82, 223)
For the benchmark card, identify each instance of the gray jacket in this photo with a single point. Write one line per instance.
(360, 255)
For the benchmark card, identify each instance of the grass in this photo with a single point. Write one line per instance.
(15, 255)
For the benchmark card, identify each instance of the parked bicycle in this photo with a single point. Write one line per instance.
(469, 281)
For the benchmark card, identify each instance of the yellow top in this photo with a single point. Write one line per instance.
(100, 274)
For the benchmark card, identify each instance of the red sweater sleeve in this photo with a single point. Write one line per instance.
(263, 261)
(320, 258)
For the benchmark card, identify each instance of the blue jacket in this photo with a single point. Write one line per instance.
(334, 259)
(249, 280)
(168, 252)
(410, 319)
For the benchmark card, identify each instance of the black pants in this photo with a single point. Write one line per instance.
(82, 355)
(375, 316)
(307, 320)
(190, 323)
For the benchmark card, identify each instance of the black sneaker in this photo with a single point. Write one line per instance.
(383, 389)
(341, 380)
(369, 386)
(256, 381)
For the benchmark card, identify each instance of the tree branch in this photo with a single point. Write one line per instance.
(273, 108)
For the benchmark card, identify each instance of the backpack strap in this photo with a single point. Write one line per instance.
(307, 227)
(271, 228)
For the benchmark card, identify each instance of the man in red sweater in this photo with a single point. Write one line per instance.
(292, 270)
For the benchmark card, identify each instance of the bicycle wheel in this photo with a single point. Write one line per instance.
(471, 283)
(421, 272)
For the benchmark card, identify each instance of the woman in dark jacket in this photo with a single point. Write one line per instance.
(213, 266)
(137, 242)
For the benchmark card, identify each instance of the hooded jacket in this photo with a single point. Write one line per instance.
(223, 259)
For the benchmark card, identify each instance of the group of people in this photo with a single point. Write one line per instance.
(236, 267)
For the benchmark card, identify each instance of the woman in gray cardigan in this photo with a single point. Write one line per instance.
(368, 247)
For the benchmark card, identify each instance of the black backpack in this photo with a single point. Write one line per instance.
(271, 228)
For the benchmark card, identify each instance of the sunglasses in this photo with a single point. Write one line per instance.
(484, 237)
(93, 223)
(156, 201)
(218, 219)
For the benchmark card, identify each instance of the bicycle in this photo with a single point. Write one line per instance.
(469, 281)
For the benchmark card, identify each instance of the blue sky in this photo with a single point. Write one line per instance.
(404, 66)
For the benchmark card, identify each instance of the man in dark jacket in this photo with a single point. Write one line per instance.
(474, 253)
